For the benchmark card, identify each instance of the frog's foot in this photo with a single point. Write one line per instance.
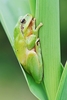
(39, 26)
(37, 42)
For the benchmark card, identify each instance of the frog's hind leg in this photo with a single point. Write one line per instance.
(33, 66)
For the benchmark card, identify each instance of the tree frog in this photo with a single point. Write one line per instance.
(27, 46)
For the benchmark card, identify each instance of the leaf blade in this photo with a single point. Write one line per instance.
(47, 12)
(62, 90)
(32, 6)
(8, 21)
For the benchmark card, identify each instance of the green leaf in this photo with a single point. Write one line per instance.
(32, 6)
(37, 89)
(47, 12)
(10, 10)
(62, 90)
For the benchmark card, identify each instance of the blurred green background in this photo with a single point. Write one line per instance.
(12, 82)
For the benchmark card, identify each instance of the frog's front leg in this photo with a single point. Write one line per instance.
(34, 63)
(30, 41)
(35, 30)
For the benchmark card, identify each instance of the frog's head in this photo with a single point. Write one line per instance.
(25, 21)
(22, 24)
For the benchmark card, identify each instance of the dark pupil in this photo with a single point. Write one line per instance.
(23, 21)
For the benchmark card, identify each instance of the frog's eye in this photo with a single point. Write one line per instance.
(23, 21)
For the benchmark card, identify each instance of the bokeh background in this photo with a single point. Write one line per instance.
(13, 85)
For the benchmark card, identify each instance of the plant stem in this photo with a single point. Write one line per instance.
(47, 12)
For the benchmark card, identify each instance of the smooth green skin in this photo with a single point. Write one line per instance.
(27, 47)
